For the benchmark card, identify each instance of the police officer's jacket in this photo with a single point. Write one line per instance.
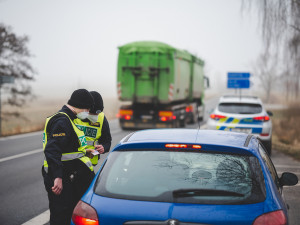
(61, 138)
(95, 133)
(105, 138)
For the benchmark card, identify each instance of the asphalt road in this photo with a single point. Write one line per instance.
(22, 192)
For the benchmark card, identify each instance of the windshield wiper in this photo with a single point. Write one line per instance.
(204, 192)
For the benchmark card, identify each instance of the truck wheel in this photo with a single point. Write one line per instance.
(176, 124)
(181, 123)
(191, 120)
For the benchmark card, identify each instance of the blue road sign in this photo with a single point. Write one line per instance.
(238, 80)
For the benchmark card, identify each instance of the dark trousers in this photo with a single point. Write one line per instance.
(62, 206)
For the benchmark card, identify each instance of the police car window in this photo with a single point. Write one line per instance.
(240, 108)
(269, 164)
(155, 175)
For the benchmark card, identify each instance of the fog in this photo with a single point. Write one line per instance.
(75, 42)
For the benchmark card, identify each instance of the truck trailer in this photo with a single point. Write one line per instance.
(161, 86)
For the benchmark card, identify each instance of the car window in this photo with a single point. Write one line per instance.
(157, 175)
(269, 164)
(240, 108)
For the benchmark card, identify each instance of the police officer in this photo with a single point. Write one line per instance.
(67, 171)
(96, 128)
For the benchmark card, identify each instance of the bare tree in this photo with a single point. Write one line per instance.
(14, 56)
(280, 23)
(266, 69)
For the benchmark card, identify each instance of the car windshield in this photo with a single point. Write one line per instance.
(185, 177)
(240, 108)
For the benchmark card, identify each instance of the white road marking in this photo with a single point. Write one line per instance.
(21, 155)
(20, 135)
(40, 219)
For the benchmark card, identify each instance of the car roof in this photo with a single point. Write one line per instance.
(188, 136)
(240, 99)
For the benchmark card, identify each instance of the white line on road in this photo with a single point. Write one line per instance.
(36, 151)
(21, 155)
(40, 219)
(21, 135)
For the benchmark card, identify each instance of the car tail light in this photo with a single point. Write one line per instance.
(84, 214)
(182, 146)
(272, 218)
(216, 116)
(125, 114)
(264, 134)
(262, 118)
(166, 116)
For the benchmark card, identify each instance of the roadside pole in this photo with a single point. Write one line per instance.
(0, 108)
(4, 79)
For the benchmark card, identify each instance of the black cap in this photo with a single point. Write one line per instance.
(98, 102)
(81, 99)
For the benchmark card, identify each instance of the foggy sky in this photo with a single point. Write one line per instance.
(74, 42)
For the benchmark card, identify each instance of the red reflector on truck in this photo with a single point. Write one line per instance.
(166, 116)
(189, 108)
(165, 113)
(126, 112)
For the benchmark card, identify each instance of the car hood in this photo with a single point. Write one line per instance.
(118, 211)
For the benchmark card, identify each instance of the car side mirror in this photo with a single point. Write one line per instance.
(288, 179)
(270, 113)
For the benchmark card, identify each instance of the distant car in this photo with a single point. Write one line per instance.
(243, 114)
(186, 177)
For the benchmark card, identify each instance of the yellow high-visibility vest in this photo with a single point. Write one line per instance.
(92, 132)
(79, 154)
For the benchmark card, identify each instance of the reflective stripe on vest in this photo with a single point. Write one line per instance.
(91, 132)
(90, 143)
(79, 154)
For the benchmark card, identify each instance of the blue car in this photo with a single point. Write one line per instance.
(186, 177)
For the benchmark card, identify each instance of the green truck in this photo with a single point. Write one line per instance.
(163, 85)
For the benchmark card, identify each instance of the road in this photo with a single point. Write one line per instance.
(23, 196)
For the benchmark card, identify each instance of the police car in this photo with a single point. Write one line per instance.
(186, 177)
(243, 114)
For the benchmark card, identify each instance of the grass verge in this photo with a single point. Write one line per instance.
(33, 116)
(286, 130)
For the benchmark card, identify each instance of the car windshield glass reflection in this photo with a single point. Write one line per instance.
(240, 108)
(186, 177)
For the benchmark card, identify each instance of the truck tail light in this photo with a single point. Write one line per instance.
(262, 118)
(84, 214)
(189, 108)
(125, 114)
(216, 116)
(166, 116)
(272, 218)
